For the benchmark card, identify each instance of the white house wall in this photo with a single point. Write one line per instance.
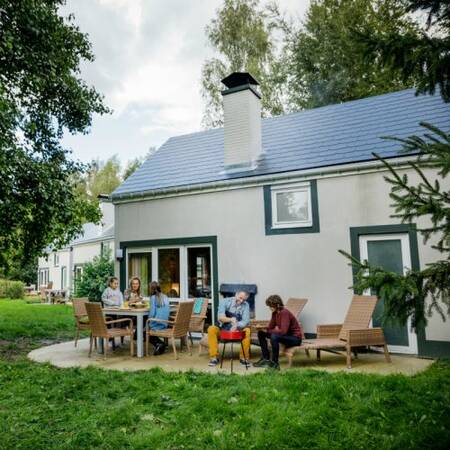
(294, 265)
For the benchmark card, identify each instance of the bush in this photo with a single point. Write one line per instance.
(11, 289)
(95, 275)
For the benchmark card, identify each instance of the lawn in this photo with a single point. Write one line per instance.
(42, 407)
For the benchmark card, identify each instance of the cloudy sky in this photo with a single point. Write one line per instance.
(149, 55)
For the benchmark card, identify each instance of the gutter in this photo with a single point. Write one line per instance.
(274, 178)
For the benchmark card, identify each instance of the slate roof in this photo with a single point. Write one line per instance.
(327, 136)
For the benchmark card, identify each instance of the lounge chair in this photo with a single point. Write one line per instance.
(178, 327)
(353, 333)
(99, 327)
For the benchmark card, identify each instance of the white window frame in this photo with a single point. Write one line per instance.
(286, 188)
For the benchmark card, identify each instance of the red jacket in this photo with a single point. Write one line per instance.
(283, 322)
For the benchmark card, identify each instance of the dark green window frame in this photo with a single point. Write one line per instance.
(314, 228)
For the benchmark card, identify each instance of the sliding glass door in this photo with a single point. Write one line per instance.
(140, 265)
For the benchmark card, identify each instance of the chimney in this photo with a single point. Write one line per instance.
(242, 122)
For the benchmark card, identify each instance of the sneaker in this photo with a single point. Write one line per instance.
(262, 363)
(245, 362)
(213, 362)
(159, 349)
(274, 365)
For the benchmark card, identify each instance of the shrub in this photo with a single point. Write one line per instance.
(11, 289)
(94, 277)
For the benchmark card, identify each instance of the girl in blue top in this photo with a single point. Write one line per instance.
(159, 309)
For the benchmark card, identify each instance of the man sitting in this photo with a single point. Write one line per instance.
(233, 314)
(283, 329)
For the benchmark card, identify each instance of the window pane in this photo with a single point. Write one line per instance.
(199, 272)
(169, 271)
(140, 265)
(292, 206)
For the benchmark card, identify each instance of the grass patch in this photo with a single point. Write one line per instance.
(43, 407)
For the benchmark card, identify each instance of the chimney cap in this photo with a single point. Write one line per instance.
(237, 79)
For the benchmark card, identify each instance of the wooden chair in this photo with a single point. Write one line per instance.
(197, 323)
(353, 333)
(99, 327)
(43, 294)
(178, 327)
(81, 317)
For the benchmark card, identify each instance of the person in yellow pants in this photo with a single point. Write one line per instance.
(233, 314)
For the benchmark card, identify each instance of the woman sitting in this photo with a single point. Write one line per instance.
(133, 294)
(159, 309)
(283, 329)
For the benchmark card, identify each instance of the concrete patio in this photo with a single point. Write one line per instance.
(65, 355)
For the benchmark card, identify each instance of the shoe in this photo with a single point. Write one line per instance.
(159, 349)
(274, 365)
(262, 363)
(213, 362)
(245, 362)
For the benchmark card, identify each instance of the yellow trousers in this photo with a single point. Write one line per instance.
(213, 342)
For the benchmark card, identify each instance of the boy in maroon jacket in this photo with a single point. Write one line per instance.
(283, 329)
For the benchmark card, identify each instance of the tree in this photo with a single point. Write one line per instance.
(420, 292)
(94, 278)
(325, 64)
(244, 36)
(103, 177)
(41, 96)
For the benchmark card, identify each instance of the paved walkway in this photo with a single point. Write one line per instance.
(66, 355)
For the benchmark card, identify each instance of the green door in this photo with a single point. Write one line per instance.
(387, 253)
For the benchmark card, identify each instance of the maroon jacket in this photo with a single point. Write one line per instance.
(286, 323)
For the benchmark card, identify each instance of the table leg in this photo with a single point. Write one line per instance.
(140, 332)
(100, 347)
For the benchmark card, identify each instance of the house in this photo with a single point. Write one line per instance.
(62, 267)
(268, 203)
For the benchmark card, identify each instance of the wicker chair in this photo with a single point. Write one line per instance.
(99, 327)
(81, 317)
(197, 323)
(43, 294)
(178, 327)
(353, 333)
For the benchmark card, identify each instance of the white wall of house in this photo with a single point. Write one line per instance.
(298, 265)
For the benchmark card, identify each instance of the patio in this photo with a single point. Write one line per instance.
(66, 355)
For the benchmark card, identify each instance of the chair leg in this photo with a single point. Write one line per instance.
(190, 338)
(189, 346)
(174, 348)
(386, 354)
(307, 353)
(132, 345)
(146, 343)
(349, 358)
(289, 355)
(318, 354)
(90, 345)
(355, 353)
(77, 336)
(95, 342)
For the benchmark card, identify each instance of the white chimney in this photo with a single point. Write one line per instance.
(242, 122)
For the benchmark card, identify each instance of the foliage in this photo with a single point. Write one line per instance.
(407, 296)
(132, 166)
(94, 277)
(11, 289)
(22, 271)
(41, 96)
(244, 35)
(324, 62)
(424, 57)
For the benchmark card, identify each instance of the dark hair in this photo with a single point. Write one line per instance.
(274, 301)
(111, 279)
(157, 294)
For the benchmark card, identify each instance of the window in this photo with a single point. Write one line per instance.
(199, 272)
(63, 277)
(140, 265)
(291, 208)
(55, 259)
(43, 277)
(105, 247)
(169, 271)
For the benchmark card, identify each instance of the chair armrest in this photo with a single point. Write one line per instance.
(157, 320)
(366, 336)
(329, 330)
(258, 324)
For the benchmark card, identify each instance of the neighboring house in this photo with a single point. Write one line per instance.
(64, 266)
(269, 202)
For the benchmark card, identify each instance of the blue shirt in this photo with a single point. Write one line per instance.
(159, 312)
(229, 308)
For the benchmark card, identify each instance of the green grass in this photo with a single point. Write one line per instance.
(42, 407)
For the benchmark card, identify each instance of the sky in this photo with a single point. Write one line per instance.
(148, 60)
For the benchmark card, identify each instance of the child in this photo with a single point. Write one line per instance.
(159, 309)
(111, 295)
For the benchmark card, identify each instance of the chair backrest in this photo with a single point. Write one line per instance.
(182, 318)
(96, 319)
(296, 305)
(79, 306)
(359, 314)
(198, 320)
(43, 293)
